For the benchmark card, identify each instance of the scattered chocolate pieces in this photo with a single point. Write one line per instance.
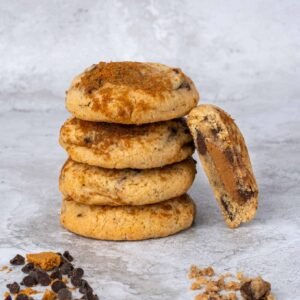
(29, 281)
(22, 297)
(17, 260)
(57, 285)
(14, 287)
(27, 268)
(227, 286)
(49, 268)
(64, 294)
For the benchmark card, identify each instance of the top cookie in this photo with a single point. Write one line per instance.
(225, 159)
(131, 93)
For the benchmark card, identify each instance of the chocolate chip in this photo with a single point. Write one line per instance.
(17, 260)
(185, 85)
(76, 281)
(22, 297)
(56, 274)
(215, 131)
(57, 285)
(68, 256)
(29, 281)
(77, 272)
(27, 268)
(8, 297)
(64, 294)
(90, 296)
(14, 287)
(173, 131)
(85, 287)
(79, 215)
(87, 140)
(201, 143)
(245, 194)
(66, 268)
(43, 278)
(229, 155)
(176, 70)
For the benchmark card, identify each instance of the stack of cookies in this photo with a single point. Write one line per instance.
(129, 148)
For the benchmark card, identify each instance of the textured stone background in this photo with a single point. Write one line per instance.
(243, 55)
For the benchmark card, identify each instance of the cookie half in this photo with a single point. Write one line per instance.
(131, 93)
(116, 146)
(128, 222)
(226, 162)
(98, 186)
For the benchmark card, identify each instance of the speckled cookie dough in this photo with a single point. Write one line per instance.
(131, 93)
(226, 161)
(116, 146)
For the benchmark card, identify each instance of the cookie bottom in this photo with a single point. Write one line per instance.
(128, 222)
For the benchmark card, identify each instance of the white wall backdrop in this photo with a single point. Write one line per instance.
(236, 51)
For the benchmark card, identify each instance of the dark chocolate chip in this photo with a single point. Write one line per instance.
(229, 155)
(246, 195)
(56, 274)
(43, 278)
(14, 287)
(17, 260)
(57, 285)
(68, 256)
(201, 143)
(76, 281)
(85, 287)
(64, 294)
(215, 131)
(77, 272)
(27, 268)
(184, 85)
(22, 297)
(79, 215)
(29, 281)
(173, 131)
(87, 140)
(90, 296)
(176, 70)
(66, 268)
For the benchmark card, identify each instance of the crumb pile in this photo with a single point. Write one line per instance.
(50, 274)
(228, 286)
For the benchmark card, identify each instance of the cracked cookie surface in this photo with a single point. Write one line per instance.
(98, 186)
(131, 93)
(226, 162)
(128, 222)
(116, 146)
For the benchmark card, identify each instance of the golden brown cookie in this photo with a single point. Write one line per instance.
(225, 159)
(98, 186)
(116, 146)
(131, 93)
(128, 222)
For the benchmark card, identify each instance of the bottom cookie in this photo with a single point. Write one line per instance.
(128, 222)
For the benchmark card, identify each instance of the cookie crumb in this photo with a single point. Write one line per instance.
(255, 289)
(49, 295)
(45, 260)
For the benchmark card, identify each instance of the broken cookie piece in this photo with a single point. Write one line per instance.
(45, 260)
(225, 159)
(256, 289)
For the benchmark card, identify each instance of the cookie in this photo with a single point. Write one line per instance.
(98, 186)
(128, 222)
(226, 162)
(116, 146)
(131, 93)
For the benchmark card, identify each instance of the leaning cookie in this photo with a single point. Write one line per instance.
(116, 146)
(128, 222)
(225, 160)
(98, 186)
(131, 93)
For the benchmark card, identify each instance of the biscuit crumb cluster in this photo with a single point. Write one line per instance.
(227, 286)
(52, 270)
